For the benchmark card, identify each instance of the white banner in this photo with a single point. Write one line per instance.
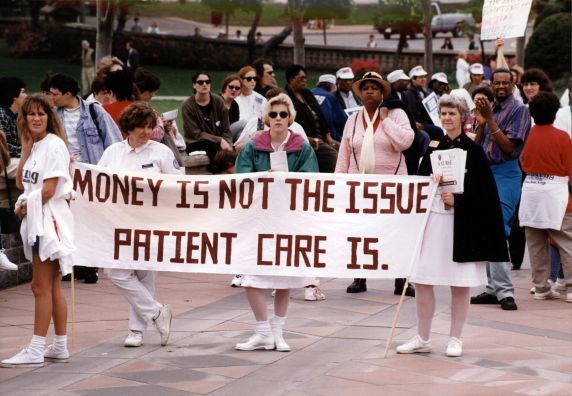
(504, 18)
(296, 224)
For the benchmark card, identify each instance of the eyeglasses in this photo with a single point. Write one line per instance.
(271, 72)
(234, 87)
(282, 114)
(203, 82)
(249, 79)
(503, 83)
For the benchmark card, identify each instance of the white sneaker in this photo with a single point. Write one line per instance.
(257, 341)
(569, 297)
(55, 355)
(415, 345)
(532, 290)
(236, 281)
(454, 347)
(24, 359)
(559, 285)
(281, 344)
(313, 293)
(548, 295)
(134, 339)
(163, 324)
(5, 263)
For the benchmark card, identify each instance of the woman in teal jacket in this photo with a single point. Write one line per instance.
(255, 157)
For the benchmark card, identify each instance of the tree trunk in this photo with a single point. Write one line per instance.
(401, 43)
(226, 16)
(520, 41)
(104, 39)
(428, 58)
(275, 41)
(251, 37)
(296, 14)
(324, 31)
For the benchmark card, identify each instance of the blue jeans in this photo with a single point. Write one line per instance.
(555, 265)
(508, 180)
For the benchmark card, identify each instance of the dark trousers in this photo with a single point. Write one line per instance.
(211, 148)
(327, 157)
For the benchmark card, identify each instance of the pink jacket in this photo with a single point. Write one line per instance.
(393, 135)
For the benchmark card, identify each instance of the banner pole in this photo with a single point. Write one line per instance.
(395, 318)
(73, 308)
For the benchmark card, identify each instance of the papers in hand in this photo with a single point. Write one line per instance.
(279, 161)
(170, 115)
(451, 165)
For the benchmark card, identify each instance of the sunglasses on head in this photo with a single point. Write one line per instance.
(282, 114)
(203, 82)
(249, 79)
(234, 87)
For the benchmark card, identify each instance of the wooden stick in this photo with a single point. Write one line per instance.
(395, 318)
(73, 308)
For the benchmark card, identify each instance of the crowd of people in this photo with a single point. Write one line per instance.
(510, 122)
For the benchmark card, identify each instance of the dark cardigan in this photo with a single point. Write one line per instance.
(478, 224)
(304, 115)
(198, 128)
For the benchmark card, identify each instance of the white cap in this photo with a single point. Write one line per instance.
(397, 75)
(476, 68)
(417, 71)
(329, 78)
(441, 77)
(345, 73)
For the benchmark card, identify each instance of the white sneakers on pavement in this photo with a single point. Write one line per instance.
(313, 293)
(454, 347)
(415, 345)
(56, 355)
(24, 359)
(134, 339)
(163, 323)
(547, 295)
(279, 342)
(5, 262)
(257, 341)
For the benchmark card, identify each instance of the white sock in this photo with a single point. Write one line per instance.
(278, 322)
(61, 342)
(263, 328)
(37, 346)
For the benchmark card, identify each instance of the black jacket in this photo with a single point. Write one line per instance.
(414, 98)
(304, 115)
(478, 225)
(341, 100)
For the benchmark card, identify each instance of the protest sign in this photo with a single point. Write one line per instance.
(431, 104)
(268, 223)
(504, 18)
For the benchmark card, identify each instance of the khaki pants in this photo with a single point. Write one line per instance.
(537, 241)
(87, 75)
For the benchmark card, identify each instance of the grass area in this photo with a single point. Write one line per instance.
(272, 14)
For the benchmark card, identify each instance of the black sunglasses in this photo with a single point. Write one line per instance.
(271, 72)
(249, 79)
(203, 82)
(234, 87)
(282, 114)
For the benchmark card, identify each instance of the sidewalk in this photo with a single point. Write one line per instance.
(337, 345)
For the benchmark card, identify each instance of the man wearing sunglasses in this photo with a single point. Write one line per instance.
(266, 76)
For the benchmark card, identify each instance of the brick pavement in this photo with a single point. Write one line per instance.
(337, 345)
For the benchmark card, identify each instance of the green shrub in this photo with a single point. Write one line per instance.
(549, 46)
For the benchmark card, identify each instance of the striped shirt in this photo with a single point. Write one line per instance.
(513, 119)
(71, 120)
(8, 125)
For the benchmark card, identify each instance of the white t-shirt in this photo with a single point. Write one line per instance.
(563, 120)
(250, 106)
(71, 121)
(49, 158)
(152, 157)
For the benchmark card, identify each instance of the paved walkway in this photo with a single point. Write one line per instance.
(337, 344)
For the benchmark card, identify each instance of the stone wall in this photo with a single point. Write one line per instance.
(12, 244)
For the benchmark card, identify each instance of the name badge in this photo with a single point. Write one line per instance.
(147, 166)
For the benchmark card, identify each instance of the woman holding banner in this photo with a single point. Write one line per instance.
(372, 143)
(463, 232)
(256, 157)
(138, 153)
(47, 226)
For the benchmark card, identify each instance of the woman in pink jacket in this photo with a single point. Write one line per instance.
(374, 138)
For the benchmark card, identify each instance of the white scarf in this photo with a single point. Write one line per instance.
(367, 156)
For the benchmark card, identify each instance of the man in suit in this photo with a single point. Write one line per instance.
(344, 94)
(132, 62)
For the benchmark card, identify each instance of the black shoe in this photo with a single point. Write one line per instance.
(66, 278)
(357, 286)
(410, 291)
(508, 304)
(90, 278)
(484, 298)
(516, 267)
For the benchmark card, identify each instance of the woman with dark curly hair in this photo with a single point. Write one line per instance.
(532, 82)
(139, 153)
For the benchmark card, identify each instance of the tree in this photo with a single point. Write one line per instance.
(228, 7)
(428, 58)
(326, 10)
(105, 14)
(296, 12)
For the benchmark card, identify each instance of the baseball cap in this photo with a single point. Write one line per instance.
(397, 75)
(345, 73)
(329, 78)
(441, 77)
(476, 68)
(417, 71)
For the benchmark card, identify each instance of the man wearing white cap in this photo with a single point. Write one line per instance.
(334, 114)
(439, 84)
(476, 75)
(415, 94)
(344, 94)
